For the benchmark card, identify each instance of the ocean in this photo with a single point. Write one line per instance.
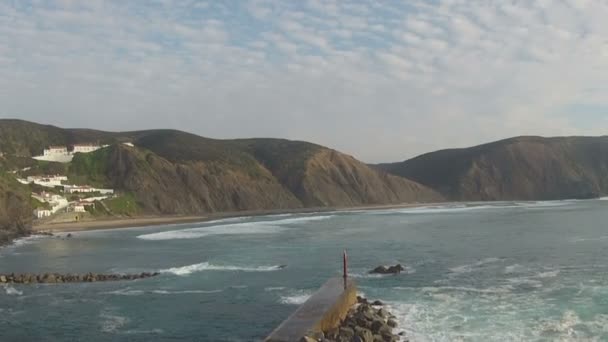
(500, 271)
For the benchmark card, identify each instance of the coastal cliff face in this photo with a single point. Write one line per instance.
(523, 168)
(171, 172)
(15, 210)
(326, 178)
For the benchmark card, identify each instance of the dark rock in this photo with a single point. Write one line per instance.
(391, 323)
(376, 326)
(388, 270)
(377, 303)
(307, 339)
(382, 313)
(346, 332)
(49, 278)
(362, 300)
(69, 235)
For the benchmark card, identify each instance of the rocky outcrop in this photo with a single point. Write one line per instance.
(55, 278)
(523, 168)
(15, 210)
(364, 323)
(388, 270)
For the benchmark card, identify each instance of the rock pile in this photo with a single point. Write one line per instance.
(364, 323)
(53, 278)
(388, 270)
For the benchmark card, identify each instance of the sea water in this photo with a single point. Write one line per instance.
(504, 271)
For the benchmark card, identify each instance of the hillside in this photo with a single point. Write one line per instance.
(15, 209)
(172, 172)
(522, 168)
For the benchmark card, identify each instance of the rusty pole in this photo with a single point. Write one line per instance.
(345, 264)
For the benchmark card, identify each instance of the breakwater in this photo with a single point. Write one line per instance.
(54, 278)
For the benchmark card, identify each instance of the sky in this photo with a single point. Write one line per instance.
(380, 80)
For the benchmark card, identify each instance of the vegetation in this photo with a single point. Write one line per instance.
(89, 168)
(15, 209)
(36, 204)
(124, 205)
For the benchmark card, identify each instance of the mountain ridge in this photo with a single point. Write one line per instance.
(170, 172)
(519, 168)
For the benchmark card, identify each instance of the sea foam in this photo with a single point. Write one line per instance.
(258, 227)
(205, 266)
(296, 297)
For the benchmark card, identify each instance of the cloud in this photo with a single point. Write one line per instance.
(380, 80)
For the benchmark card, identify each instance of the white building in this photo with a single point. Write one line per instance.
(55, 150)
(85, 189)
(85, 148)
(41, 213)
(47, 181)
(128, 144)
(80, 207)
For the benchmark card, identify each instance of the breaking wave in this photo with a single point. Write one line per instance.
(205, 266)
(468, 207)
(468, 268)
(296, 297)
(11, 291)
(131, 292)
(258, 227)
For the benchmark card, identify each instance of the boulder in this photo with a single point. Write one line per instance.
(377, 303)
(377, 326)
(364, 335)
(3, 279)
(388, 270)
(346, 332)
(392, 323)
(307, 339)
(49, 278)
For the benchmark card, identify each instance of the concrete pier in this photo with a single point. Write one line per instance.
(322, 312)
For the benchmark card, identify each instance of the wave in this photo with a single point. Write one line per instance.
(270, 289)
(258, 227)
(205, 266)
(110, 323)
(296, 298)
(11, 291)
(167, 292)
(599, 238)
(131, 292)
(548, 274)
(468, 268)
(472, 206)
(515, 268)
(125, 292)
(502, 289)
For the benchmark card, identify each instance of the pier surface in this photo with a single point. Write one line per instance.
(321, 312)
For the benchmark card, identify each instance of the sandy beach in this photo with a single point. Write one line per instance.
(145, 221)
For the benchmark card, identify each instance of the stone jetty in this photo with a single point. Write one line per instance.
(54, 278)
(366, 322)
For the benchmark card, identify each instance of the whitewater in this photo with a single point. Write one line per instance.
(500, 271)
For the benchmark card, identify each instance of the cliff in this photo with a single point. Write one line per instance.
(171, 172)
(522, 168)
(15, 210)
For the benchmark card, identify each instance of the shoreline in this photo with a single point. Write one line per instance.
(155, 221)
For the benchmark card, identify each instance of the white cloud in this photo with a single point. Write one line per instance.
(380, 80)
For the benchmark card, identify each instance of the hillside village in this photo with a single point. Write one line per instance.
(55, 195)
